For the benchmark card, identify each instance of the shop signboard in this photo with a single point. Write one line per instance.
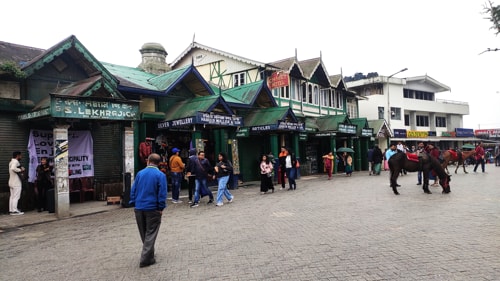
(399, 133)
(347, 129)
(367, 132)
(76, 107)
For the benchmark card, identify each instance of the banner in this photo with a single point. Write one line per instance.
(80, 152)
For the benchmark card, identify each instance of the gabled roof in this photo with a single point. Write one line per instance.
(195, 45)
(269, 116)
(438, 86)
(255, 94)
(189, 107)
(95, 86)
(187, 76)
(361, 123)
(19, 54)
(289, 65)
(331, 122)
(313, 69)
(380, 128)
(131, 77)
(77, 52)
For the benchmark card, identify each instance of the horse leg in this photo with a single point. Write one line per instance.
(394, 180)
(463, 165)
(425, 186)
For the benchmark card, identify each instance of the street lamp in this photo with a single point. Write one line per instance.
(389, 97)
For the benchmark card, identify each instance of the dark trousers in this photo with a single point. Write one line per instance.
(148, 223)
(282, 176)
(41, 197)
(479, 162)
(191, 186)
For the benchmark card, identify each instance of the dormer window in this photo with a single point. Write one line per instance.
(239, 79)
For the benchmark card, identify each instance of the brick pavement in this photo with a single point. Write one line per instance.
(350, 228)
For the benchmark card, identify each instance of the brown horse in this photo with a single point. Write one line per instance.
(425, 163)
(449, 158)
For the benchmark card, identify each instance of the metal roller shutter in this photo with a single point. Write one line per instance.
(108, 153)
(13, 136)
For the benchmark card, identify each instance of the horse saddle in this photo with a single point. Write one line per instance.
(454, 154)
(412, 157)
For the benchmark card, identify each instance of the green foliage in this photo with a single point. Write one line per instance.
(12, 68)
(493, 13)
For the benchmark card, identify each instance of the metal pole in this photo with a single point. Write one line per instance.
(389, 97)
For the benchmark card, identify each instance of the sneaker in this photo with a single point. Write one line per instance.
(419, 183)
(219, 204)
(16, 213)
(194, 205)
(210, 201)
(190, 202)
(230, 200)
(176, 201)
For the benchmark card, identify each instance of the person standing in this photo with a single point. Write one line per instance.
(223, 169)
(348, 167)
(145, 149)
(290, 167)
(391, 151)
(266, 170)
(479, 157)
(434, 152)
(377, 159)
(191, 177)
(176, 168)
(369, 157)
(43, 183)
(282, 166)
(149, 196)
(420, 149)
(328, 162)
(15, 183)
(201, 168)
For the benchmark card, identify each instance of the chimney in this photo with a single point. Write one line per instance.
(154, 58)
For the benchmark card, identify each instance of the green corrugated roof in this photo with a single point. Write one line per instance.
(166, 80)
(189, 107)
(248, 94)
(266, 116)
(331, 122)
(361, 123)
(136, 76)
(311, 123)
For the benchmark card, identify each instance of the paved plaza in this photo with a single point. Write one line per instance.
(349, 228)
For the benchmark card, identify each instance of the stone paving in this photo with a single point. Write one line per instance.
(349, 228)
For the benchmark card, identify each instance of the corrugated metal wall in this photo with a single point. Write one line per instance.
(13, 136)
(108, 152)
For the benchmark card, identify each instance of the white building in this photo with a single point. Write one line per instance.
(411, 109)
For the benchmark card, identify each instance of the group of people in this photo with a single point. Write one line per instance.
(16, 176)
(288, 165)
(149, 191)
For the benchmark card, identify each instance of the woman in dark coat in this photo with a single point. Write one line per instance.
(377, 160)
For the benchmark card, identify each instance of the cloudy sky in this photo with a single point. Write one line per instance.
(442, 39)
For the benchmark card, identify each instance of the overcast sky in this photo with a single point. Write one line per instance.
(439, 38)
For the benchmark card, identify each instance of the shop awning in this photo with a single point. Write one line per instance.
(272, 119)
(336, 123)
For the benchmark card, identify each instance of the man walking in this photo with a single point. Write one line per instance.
(370, 161)
(149, 196)
(479, 157)
(201, 168)
(15, 183)
(176, 168)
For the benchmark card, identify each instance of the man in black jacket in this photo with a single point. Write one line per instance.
(201, 169)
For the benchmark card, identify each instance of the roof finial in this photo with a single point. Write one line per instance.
(194, 35)
(296, 54)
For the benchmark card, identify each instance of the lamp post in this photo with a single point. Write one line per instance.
(389, 97)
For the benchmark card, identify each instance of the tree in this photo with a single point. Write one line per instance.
(493, 13)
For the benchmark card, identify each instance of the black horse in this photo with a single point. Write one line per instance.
(400, 161)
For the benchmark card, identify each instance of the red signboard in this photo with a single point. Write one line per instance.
(278, 79)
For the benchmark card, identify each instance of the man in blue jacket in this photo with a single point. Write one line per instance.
(149, 196)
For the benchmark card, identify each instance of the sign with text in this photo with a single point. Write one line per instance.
(367, 132)
(400, 133)
(417, 134)
(79, 148)
(70, 107)
(242, 133)
(290, 126)
(492, 133)
(278, 79)
(463, 132)
(218, 119)
(347, 129)
(34, 114)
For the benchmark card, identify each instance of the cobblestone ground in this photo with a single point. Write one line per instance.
(349, 228)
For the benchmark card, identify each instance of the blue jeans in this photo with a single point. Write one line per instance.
(199, 183)
(290, 173)
(222, 189)
(176, 184)
(419, 177)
